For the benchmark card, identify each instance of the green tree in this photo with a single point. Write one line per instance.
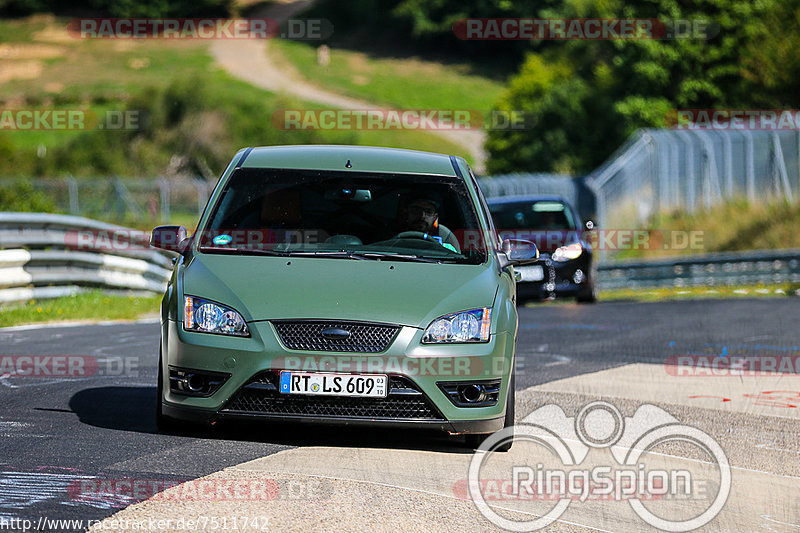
(124, 8)
(617, 86)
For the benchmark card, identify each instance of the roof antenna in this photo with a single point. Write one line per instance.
(348, 164)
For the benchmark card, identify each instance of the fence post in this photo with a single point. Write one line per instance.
(650, 147)
(202, 195)
(72, 189)
(711, 185)
(124, 199)
(750, 165)
(779, 168)
(674, 168)
(728, 149)
(163, 186)
(691, 190)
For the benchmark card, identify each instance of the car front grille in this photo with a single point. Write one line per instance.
(363, 337)
(260, 395)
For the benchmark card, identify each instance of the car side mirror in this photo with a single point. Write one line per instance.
(589, 225)
(170, 238)
(518, 252)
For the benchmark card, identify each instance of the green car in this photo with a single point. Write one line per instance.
(343, 285)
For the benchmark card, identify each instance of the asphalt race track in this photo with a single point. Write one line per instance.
(63, 435)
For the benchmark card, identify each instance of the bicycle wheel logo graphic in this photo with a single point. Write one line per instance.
(630, 439)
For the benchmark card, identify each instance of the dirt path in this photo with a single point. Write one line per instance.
(250, 61)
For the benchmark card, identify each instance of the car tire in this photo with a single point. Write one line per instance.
(475, 440)
(588, 294)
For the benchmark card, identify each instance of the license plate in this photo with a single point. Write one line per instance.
(531, 273)
(325, 384)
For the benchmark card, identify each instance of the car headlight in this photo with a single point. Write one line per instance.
(565, 253)
(205, 316)
(467, 326)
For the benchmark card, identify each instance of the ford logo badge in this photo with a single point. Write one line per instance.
(335, 334)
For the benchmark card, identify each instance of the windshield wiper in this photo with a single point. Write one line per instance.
(344, 254)
(367, 255)
(402, 257)
(242, 251)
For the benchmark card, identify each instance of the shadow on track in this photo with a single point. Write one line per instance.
(132, 409)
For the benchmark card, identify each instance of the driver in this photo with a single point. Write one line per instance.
(422, 214)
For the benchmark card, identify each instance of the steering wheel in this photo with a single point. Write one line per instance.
(417, 235)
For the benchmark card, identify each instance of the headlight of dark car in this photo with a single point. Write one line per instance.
(570, 251)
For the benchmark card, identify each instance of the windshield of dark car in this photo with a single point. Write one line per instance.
(305, 212)
(533, 215)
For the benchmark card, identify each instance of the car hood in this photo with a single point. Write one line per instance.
(410, 294)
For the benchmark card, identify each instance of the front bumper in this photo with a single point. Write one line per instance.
(246, 360)
(559, 278)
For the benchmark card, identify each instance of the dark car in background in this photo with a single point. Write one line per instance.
(566, 266)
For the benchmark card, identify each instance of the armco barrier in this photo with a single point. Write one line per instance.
(43, 256)
(38, 260)
(740, 268)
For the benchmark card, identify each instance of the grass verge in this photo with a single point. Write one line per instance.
(192, 113)
(732, 226)
(92, 305)
(666, 294)
(397, 82)
(697, 293)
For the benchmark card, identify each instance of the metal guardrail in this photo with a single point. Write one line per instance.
(46, 256)
(716, 269)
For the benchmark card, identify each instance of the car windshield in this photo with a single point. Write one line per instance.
(344, 214)
(536, 215)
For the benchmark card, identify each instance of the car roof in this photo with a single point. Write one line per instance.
(360, 158)
(527, 198)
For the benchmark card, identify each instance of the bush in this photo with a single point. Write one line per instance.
(19, 195)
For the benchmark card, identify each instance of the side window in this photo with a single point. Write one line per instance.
(572, 220)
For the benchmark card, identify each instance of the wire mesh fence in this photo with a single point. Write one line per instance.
(654, 171)
(661, 170)
(131, 201)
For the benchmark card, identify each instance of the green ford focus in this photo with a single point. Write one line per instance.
(343, 285)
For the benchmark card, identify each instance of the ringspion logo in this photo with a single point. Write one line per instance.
(565, 461)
